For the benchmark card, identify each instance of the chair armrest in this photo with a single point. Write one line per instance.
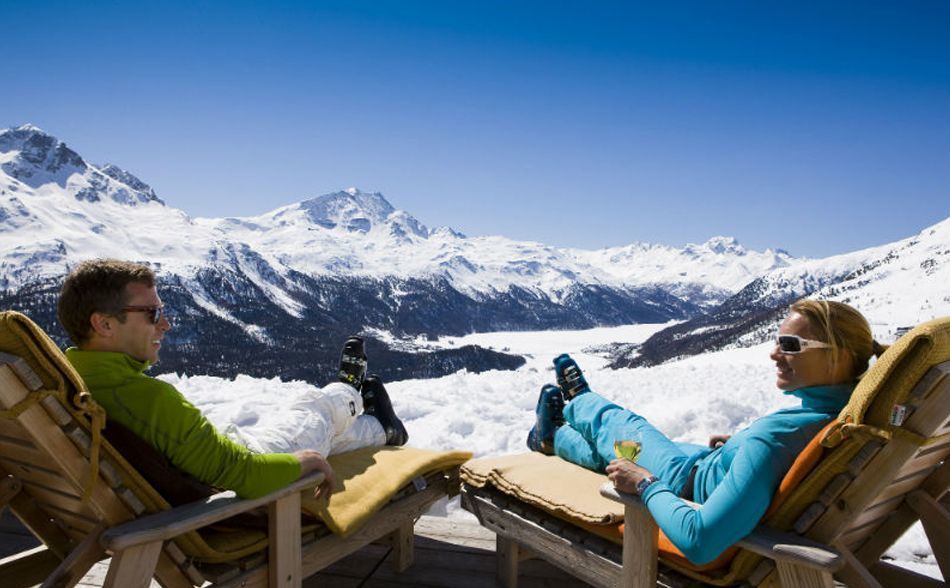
(792, 548)
(765, 541)
(165, 525)
(608, 491)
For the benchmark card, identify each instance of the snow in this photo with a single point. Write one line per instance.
(490, 413)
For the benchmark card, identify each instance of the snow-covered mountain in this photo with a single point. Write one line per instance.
(57, 209)
(362, 234)
(332, 265)
(897, 285)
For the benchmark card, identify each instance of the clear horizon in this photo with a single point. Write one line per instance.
(816, 129)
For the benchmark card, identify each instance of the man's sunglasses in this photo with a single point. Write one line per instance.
(155, 313)
(794, 344)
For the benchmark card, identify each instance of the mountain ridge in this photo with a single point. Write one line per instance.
(896, 286)
(348, 221)
(333, 265)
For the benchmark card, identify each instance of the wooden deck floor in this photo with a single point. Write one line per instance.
(449, 553)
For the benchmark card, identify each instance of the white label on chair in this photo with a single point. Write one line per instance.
(898, 415)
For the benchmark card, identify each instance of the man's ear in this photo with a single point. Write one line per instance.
(101, 324)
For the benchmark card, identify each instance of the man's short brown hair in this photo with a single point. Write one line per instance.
(98, 285)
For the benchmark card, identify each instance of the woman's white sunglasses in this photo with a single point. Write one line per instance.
(793, 344)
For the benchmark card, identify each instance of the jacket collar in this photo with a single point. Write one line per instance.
(830, 399)
(99, 368)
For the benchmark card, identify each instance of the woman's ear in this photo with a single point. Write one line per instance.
(843, 367)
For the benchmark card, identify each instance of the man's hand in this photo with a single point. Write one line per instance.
(717, 441)
(312, 461)
(626, 475)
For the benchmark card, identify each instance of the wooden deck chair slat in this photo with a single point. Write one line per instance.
(834, 488)
(904, 484)
(25, 452)
(860, 533)
(173, 575)
(847, 512)
(864, 456)
(854, 538)
(46, 433)
(177, 558)
(32, 471)
(938, 482)
(829, 495)
(927, 422)
(875, 545)
(59, 500)
(56, 412)
(922, 456)
(14, 433)
(74, 524)
(51, 532)
(83, 442)
(938, 445)
(876, 512)
(876, 475)
(41, 480)
(923, 461)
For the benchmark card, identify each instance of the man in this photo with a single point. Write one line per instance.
(112, 312)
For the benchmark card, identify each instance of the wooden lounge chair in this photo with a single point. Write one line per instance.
(878, 469)
(84, 502)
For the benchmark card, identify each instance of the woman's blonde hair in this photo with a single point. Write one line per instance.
(844, 328)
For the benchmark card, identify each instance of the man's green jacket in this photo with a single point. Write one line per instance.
(159, 414)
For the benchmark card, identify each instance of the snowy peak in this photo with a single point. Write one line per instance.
(351, 209)
(143, 192)
(720, 264)
(721, 245)
(34, 157)
(355, 211)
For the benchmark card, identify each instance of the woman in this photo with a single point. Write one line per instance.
(821, 350)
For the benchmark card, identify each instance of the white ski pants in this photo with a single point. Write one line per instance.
(329, 420)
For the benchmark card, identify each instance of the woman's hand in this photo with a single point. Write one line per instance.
(626, 475)
(312, 461)
(717, 441)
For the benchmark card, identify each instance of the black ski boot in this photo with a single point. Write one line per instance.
(569, 376)
(549, 416)
(376, 403)
(353, 362)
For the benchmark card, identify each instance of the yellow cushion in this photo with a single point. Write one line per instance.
(368, 478)
(548, 482)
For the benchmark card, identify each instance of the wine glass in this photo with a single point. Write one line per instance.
(628, 448)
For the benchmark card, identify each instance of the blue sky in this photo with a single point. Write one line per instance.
(819, 127)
